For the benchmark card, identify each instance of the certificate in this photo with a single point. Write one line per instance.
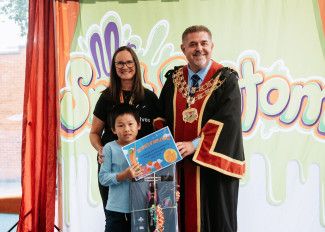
(153, 152)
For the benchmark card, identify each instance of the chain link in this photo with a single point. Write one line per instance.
(203, 90)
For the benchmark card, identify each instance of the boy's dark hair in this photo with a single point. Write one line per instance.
(121, 109)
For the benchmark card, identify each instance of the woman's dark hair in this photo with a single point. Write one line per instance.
(114, 89)
(121, 109)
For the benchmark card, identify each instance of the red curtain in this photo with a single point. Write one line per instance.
(40, 122)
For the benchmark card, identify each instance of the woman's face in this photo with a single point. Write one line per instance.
(125, 66)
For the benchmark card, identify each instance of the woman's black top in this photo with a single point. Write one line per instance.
(148, 110)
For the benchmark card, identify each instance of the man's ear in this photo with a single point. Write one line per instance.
(139, 125)
(113, 130)
(183, 48)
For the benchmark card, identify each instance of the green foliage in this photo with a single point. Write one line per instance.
(17, 11)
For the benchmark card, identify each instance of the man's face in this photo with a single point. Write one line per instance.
(197, 47)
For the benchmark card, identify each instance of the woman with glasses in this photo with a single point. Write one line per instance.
(125, 87)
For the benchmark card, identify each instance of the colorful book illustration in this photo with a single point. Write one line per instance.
(153, 152)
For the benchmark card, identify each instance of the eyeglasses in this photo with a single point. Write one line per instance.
(120, 64)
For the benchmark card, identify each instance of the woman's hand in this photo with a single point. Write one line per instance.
(100, 156)
(96, 131)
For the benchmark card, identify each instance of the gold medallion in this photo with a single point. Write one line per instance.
(190, 115)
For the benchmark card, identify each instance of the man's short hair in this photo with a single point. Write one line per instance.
(121, 109)
(196, 28)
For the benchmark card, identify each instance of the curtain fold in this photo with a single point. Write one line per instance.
(66, 17)
(40, 122)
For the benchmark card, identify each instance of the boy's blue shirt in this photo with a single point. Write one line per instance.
(119, 192)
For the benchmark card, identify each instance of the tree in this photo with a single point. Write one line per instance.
(17, 11)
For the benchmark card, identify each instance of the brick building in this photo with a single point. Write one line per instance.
(12, 77)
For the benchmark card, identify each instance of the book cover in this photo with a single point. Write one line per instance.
(153, 152)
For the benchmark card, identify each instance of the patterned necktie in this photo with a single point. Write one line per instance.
(195, 83)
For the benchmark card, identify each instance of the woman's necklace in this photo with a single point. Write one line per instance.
(190, 114)
(126, 96)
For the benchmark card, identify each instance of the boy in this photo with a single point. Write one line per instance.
(115, 172)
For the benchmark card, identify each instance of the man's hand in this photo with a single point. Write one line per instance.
(178, 195)
(185, 148)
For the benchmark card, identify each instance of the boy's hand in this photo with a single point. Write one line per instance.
(135, 170)
(130, 172)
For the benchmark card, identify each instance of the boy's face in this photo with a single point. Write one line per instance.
(126, 129)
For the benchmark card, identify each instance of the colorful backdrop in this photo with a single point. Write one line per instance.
(278, 49)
